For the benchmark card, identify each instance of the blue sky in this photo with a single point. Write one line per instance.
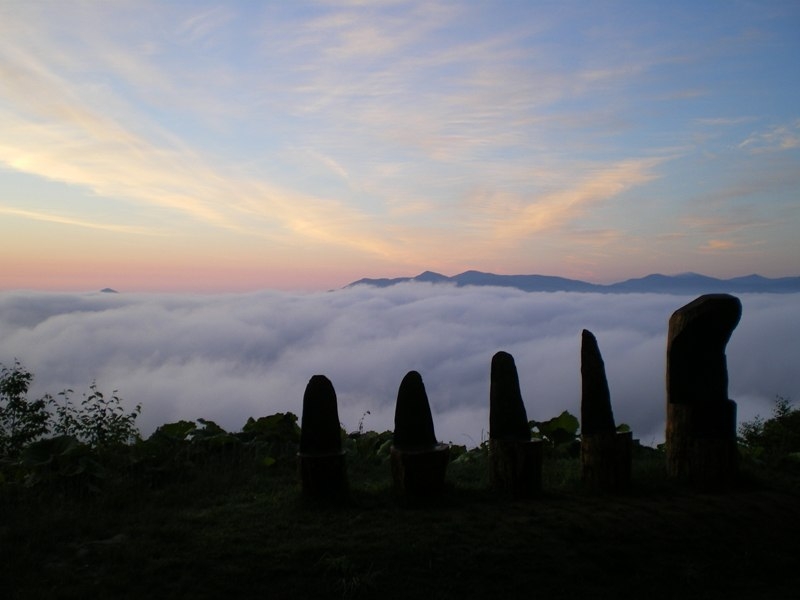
(201, 146)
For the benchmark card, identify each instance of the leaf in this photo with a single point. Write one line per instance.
(209, 429)
(385, 448)
(280, 427)
(623, 428)
(218, 440)
(559, 430)
(174, 431)
(45, 451)
(567, 421)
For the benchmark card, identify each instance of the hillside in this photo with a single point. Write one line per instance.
(234, 529)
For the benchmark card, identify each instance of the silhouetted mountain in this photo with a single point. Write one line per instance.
(685, 283)
(431, 277)
(528, 283)
(381, 282)
(671, 284)
(109, 291)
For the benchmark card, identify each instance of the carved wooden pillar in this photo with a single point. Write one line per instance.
(605, 454)
(419, 462)
(515, 461)
(701, 419)
(321, 460)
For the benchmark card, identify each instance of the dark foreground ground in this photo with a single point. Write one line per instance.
(234, 531)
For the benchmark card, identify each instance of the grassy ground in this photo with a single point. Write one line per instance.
(235, 530)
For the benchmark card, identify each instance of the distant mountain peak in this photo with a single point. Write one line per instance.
(109, 291)
(431, 276)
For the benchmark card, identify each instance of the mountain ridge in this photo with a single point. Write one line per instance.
(682, 283)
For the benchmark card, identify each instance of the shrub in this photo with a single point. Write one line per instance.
(61, 460)
(561, 434)
(99, 421)
(22, 421)
(775, 439)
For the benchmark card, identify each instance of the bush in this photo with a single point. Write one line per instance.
(560, 435)
(62, 460)
(776, 439)
(45, 441)
(22, 421)
(99, 421)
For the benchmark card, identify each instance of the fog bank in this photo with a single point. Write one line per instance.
(229, 357)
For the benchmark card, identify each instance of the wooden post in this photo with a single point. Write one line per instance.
(420, 473)
(701, 419)
(605, 454)
(323, 476)
(606, 461)
(697, 454)
(515, 461)
(418, 461)
(624, 462)
(516, 466)
(321, 460)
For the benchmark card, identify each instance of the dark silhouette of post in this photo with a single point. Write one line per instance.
(321, 460)
(605, 453)
(419, 462)
(701, 419)
(515, 461)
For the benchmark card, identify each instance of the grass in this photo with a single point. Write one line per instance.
(235, 529)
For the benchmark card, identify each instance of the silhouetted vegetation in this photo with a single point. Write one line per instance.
(197, 511)
(774, 442)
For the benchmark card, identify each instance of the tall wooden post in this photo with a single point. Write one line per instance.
(321, 460)
(701, 419)
(515, 461)
(605, 454)
(419, 462)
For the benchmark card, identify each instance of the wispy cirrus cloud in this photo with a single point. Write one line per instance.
(774, 138)
(204, 22)
(718, 246)
(554, 210)
(54, 218)
(413, 133)
(723, 234)
(69, 135)
(724, 121)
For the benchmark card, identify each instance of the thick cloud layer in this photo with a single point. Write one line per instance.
(228, 357)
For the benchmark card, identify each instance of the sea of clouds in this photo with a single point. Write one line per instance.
(229, 357)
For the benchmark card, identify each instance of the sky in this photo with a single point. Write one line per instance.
(299, 146)
(227, 357)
